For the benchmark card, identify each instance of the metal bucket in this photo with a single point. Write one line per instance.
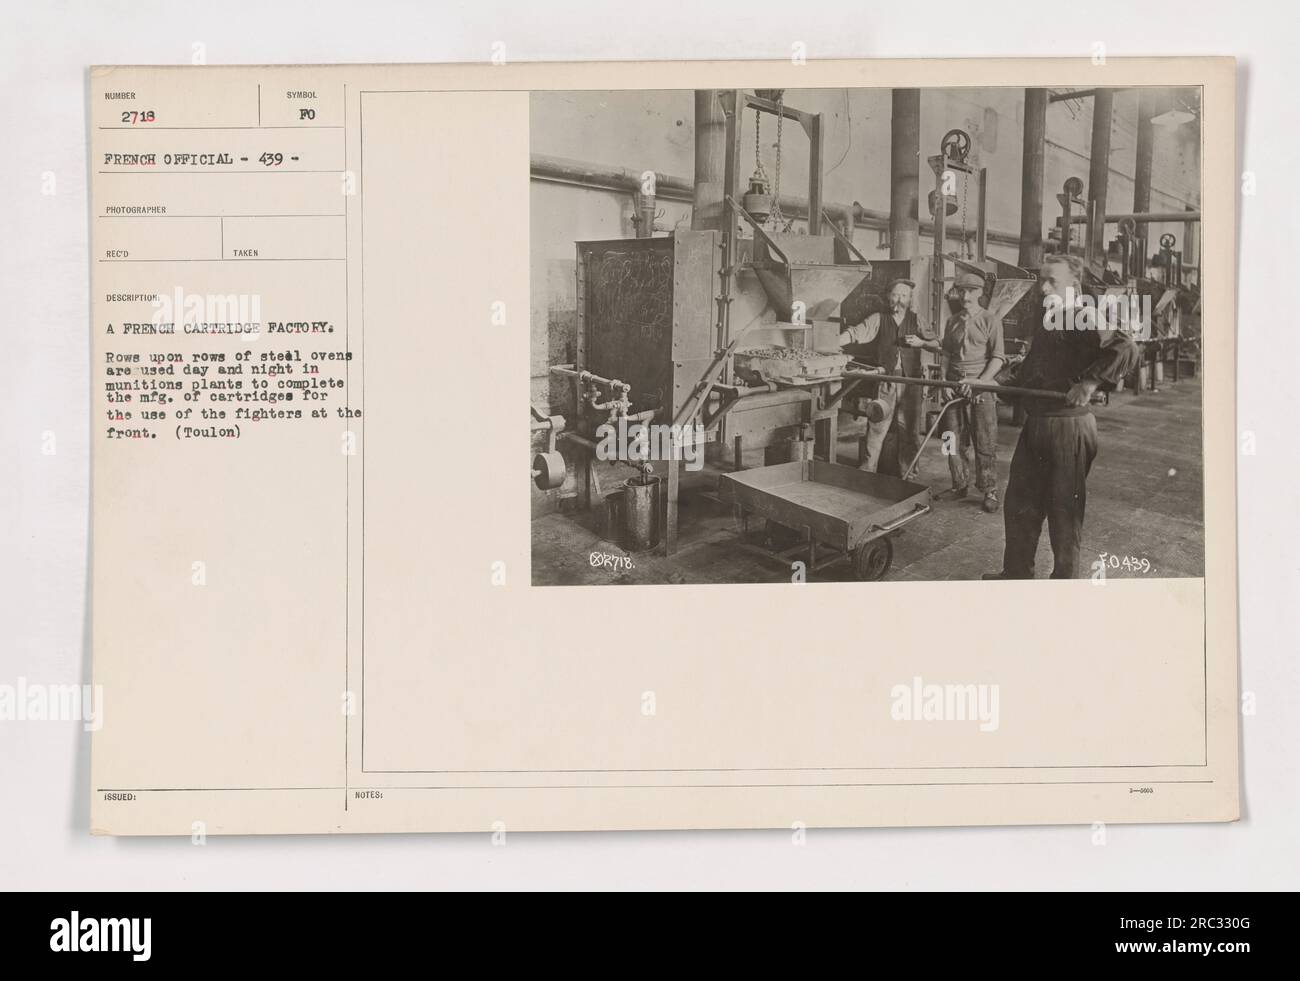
(640, 513)
(612, 528)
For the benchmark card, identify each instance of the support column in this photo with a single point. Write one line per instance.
(1103, 104)
(1031, 186)
(1142, 171)
(904, 168)
(710, 160)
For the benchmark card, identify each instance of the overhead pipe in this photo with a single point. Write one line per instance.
(1152, 217)
(563, 170)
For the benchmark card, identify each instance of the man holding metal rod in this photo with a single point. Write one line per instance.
(1073, 354)
(1076, 353)
(973, 350)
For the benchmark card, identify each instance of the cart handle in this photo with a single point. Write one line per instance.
(875, 531)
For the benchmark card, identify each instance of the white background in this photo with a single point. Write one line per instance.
(45, 49)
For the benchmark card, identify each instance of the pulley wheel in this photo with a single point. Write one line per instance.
(549, 470)
(955, 145)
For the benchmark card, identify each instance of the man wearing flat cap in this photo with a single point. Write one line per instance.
(973, 349)
(900, 336)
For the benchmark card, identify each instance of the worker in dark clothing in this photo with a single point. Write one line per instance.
(898, 333)
(1075, 352)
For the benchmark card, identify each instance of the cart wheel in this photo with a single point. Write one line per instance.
(872, 560)
(778, 537)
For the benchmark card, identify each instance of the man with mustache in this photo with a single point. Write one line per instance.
(901, 336)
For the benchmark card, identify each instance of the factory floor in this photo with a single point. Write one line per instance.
(1144, 502)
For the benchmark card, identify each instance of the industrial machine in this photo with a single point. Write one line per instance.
(1164, 332)
(1174, 328)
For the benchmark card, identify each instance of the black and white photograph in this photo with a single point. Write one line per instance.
(923, 372)
(863, 334)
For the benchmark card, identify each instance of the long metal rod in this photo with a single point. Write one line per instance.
(586, 444)
(739, 391)
(976, 386)
(700, 394)
(844, 390)
(938, 418)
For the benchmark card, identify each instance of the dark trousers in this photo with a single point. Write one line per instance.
(1049, 474)
(973, 423)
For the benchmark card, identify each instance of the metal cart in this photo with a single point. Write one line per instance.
(828, 512)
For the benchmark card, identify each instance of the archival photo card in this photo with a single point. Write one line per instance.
(899, 395)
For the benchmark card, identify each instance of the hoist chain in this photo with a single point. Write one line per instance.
(965, 239)
(777, 219)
